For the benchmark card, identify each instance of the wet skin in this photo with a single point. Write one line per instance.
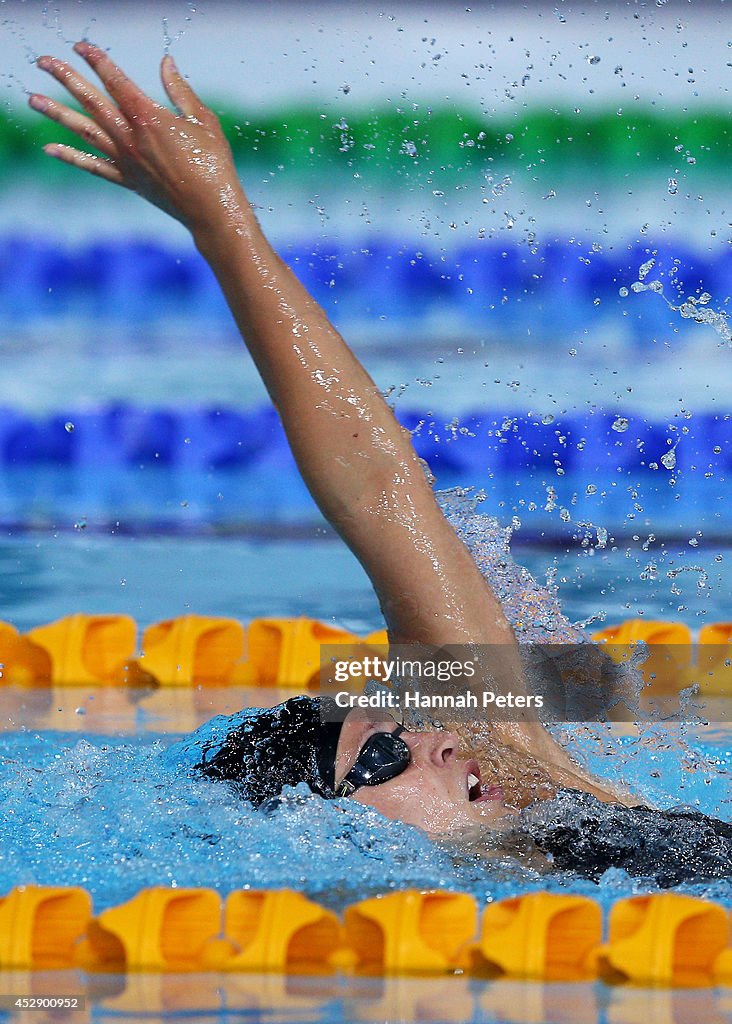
(434, 792)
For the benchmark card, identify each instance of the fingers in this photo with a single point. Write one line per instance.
(85, 161)
(131, 99)
(107, 116)
(87, 130)
(181, 94)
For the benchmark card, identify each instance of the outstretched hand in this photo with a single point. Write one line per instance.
(180, 162)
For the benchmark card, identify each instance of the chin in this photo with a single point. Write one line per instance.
(495, 813)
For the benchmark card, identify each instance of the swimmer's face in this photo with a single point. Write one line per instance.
(437, 792)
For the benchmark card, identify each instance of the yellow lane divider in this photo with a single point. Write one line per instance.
(542, 935)
(194, 650)
(672, 660)
(40, 926)
(663, 939)
(79, 650)
(411, 931)
(667, 939)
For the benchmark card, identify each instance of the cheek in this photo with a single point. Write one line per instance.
(392, 800)
(416, 802)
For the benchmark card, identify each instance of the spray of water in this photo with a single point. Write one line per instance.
(692, 307)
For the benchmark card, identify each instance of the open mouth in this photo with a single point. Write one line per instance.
(477, 790)
(473, 781)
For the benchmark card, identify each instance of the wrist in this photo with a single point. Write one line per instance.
(228, 220)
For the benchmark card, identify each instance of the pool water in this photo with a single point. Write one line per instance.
(159, 577)
(273, 999)
(67, 821)
(65, 811)
(67, 818)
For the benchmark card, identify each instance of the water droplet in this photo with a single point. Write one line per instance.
(623, 292)
(501, 186)
(591, 489)
(593, 60)
(669, 459)
(547, 418)
(80, 524)
(673, 186)
(69, 427)
(621, 424)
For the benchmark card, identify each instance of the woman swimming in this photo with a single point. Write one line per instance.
(361, 468)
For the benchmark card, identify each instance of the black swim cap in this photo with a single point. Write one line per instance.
(279, 746)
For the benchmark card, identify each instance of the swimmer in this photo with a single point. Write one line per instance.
(357, 461)
(360, 467)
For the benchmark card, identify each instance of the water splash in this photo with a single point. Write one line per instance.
(536, 617)
(531, 609)
(65, 820)
(581, 833)
(691, 308)
(170, 38)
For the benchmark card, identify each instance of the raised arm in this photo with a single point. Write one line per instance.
(357, 461)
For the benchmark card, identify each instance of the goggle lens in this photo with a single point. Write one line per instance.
(382, 757)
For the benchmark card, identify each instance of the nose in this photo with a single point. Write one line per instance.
(438, 747)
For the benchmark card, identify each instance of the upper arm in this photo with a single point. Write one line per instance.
(429, 587)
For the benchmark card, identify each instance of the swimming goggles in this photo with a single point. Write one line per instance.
(382, 757)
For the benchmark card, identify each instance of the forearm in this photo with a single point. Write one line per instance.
(346, 440)
(356, 460)
(358, 463)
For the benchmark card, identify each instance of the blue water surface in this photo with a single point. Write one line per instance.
(119, 813)
(116, 814)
